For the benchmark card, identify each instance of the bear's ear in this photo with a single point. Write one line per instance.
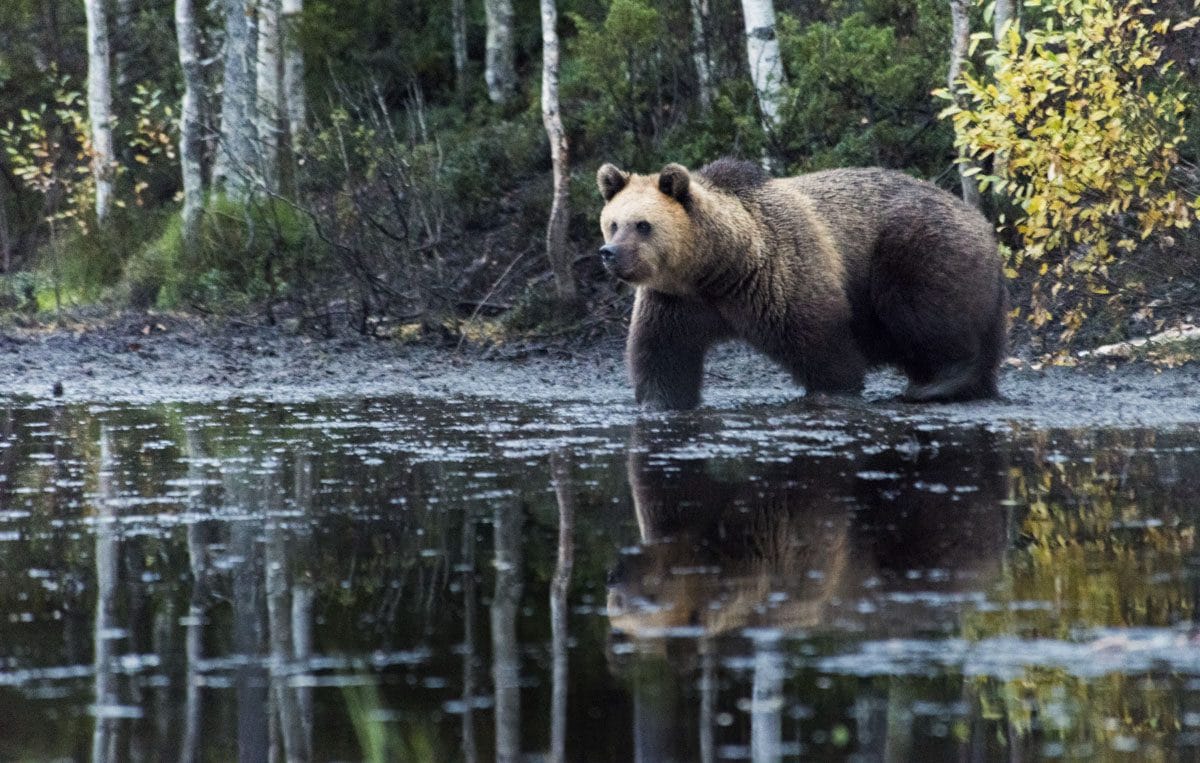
(673, 180)
(611, 180)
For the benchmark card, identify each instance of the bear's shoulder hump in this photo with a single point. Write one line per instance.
(735, 176)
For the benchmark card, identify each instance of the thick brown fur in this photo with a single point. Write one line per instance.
(829, 274)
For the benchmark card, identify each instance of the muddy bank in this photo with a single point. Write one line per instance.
(158, 359)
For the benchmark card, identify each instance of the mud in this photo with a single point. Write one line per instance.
(145, 359)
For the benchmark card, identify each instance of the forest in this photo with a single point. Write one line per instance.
(426, 170)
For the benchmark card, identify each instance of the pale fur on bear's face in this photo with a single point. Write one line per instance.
(648, 235)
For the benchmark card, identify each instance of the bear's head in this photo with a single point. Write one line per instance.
(649, 238)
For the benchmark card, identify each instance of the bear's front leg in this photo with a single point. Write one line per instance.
(668, 338)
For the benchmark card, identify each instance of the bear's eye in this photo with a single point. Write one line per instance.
(643, 228)
(612, 228)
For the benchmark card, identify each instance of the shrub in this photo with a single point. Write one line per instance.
(261, 253)
(858, 89)
(1083, 124)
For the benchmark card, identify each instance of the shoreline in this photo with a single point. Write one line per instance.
(147, 359)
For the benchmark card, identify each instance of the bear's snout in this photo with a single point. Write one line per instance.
(622, 261)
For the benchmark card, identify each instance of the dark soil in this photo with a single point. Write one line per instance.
(144, 359)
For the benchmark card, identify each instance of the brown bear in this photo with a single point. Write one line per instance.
(828, 274)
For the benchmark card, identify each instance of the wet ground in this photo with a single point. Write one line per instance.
(478, 560)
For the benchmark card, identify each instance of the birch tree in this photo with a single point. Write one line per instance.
(1004, 11)
(556, 230)
(766, 66)
(191, 119)
(500, 71)
(236, 149)
(1004, 15)
(100, 105)
(268, 89)
(123, 29)
(293, 72)
(960, 39)
(458, 38)
(700, 53)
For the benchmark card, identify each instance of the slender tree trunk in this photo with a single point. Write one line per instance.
(197, 605)
(766, 66)
(506, 659)
(293, 73)
(234, 170)
(1005, 11)
(251, 693)
(500, 72)
(269, 90)
(470, 597)
(458, 36)
(766, 701)
(1004, 16)
(556, 230)
(560, 585)
(191, 127)
(302, 604)
(123, 39)
(960, 38)
(100, 106)
(291, 736)
(701, 53)
(104, 733)
(5, 234)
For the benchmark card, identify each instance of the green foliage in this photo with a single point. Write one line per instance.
(151, 136)
(1083, 124)
(858, 88)
(611, 76)
(49, 150)
(244, 256)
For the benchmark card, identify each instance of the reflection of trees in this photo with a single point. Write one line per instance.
(197, 501)
(105, 630)
(470, 596)
(506, 601)
(559, 586)
(1105, 542)
(270, 596)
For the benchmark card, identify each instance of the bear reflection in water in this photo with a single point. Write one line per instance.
(889, 544)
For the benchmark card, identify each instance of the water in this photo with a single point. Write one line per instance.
(454, 580)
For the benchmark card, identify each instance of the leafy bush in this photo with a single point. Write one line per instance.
(244, 256)
(1083, 124)
(858, 88)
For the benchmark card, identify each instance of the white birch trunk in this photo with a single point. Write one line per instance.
(5, 234)
(123, 35)
(1005, 11)
(700, 54)
(269, 90)
(960, 38)
(107, 556)
(556, 229)
(293, 73)
(100, 106)
(458, 36)
(506, 658)
(191, 119)
(1004, 16)
(234, 171)
(500, 72)
(766, 67)
(560, 585)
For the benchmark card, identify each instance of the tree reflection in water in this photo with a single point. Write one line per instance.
(321, 581)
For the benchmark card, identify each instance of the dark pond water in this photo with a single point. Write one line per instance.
(456, 580)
